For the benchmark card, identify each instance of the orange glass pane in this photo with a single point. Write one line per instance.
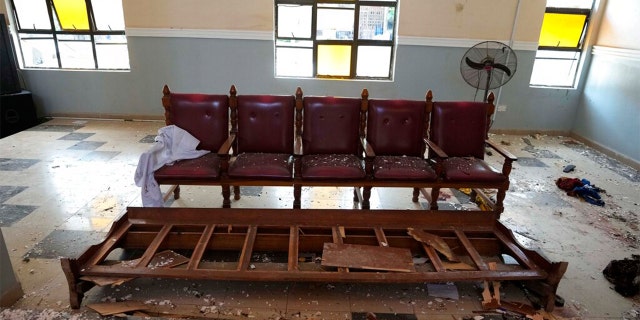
(334, 60)
(561, 30)
(72, 14)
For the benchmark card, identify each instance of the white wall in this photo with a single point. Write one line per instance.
(608, 112)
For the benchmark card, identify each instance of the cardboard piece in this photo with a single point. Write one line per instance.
(434, 241)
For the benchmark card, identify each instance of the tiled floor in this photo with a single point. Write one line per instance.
(63, 183)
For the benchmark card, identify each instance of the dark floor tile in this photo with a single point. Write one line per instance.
(148, 139)
(250, 191)
(100, 156)
(530, 162)
(87, 145)
(76, 136)
(6, 192)
(64, 243)
(383, 316)
(56, 128)
(16, 164)
(10, 214)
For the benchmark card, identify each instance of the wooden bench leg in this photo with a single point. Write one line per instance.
(226, 196)
(416, 194)
(366, 195)
(236, 192)
(176, 192)
(435, 194)
(297, 193)
(76, 288)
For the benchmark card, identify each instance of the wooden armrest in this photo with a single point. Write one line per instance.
(368, 150)
(226, 146)
(502, 151)
(433, 146)
(297, 146)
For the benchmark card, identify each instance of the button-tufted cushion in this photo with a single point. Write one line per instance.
(331, 166)
(469, 169)
(331, 125)
(203, 168)
(402, 168)
(265, 123)
(262, 165)
(460, 128)
(396, 127)
(204, 116)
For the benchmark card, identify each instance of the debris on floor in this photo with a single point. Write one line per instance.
(625, 275)
(116, 308)
(443, 290)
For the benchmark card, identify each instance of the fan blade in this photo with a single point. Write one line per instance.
(502, 67)
(474, 65)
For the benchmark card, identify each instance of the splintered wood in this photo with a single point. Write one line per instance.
(367, 257)
(434, 241)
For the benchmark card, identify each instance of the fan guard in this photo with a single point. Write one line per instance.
(488, 65)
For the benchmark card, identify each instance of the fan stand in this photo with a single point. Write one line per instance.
(486, 88)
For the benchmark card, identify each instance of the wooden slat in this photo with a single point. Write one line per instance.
(336, 233)
(247, 248)
(201, 247)
(433, 257)
(294, 238)
(154, 245)
(513, 248)
(477, 259)
(108, 244)
(382, 238)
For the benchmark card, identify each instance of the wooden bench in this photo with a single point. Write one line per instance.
(297, 141)
(218, 244)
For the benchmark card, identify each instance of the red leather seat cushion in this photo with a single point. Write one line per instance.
(402, 168)
(262, 165)
(203, 168)
(331, 166)
(467, 169)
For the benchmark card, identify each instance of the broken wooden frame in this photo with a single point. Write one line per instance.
(226, 244)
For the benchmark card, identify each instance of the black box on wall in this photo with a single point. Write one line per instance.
(18, 113)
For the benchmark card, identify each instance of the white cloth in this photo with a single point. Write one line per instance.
(171, 144)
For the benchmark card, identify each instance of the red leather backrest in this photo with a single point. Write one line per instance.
(265, 123)
(204, 116)
(396, 127)
(330, 125)
(460, 128)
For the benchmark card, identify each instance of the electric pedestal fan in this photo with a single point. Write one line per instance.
(488, 65)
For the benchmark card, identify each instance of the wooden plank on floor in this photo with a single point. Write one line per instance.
(294, 238)
(247, 248)
(201, 247)
(367, 257)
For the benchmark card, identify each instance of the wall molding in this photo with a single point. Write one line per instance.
(268, 36)
(628, 54)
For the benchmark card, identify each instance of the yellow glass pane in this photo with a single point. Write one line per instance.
(334, 60)
(72, 14)
(561, 30)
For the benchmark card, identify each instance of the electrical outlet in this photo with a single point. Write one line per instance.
(502, 108)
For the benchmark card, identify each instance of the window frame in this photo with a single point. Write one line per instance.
(354, 43)
(57, 30)
(578, 50)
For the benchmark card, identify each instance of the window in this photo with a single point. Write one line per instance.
(339, 39)
(561, 43)
(72, 34)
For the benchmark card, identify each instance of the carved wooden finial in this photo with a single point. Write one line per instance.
(233, 90)
(298, 92)
(166, 90)
(365, 93)
(429, 95)
(490, 98)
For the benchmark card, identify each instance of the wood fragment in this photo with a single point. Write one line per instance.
(434, 241)
(367, 257)
(112, 308)
(457, 266)
(106, 281)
